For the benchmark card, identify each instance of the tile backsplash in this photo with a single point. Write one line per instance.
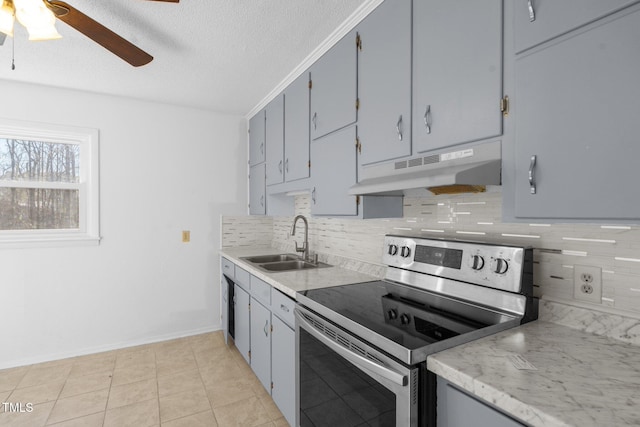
(558, 247)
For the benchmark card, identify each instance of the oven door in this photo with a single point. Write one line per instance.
(344, 382)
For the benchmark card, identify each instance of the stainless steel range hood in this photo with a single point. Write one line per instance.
(478, 165)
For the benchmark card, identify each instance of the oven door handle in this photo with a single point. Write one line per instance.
(356, 359)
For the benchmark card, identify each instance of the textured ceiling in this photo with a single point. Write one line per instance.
(221, 55)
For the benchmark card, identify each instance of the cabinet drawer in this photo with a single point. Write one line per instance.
(228, 268)
(243, 278)
(282, 306)
(261, 291)
(554, 18)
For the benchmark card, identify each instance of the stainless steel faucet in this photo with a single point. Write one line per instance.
(305, 245)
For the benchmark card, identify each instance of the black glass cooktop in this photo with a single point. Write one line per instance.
(407, 316)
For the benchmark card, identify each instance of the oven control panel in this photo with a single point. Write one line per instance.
(496, 266)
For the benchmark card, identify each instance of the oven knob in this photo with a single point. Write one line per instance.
(499, 265)
(405, 319)
(392, 314)
(393, 249)
(405, 251)
(476, 262)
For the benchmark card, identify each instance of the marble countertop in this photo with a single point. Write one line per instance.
(581, 379)
(290, 282)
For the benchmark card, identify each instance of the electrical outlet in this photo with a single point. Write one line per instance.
(587, 283)
(186, 236)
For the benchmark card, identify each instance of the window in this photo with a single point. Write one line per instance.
(48, 184)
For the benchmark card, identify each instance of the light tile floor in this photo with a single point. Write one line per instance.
(188, 382)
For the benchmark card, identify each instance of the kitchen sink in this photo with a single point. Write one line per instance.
(291, 265)
(271, 258)
(282, 262)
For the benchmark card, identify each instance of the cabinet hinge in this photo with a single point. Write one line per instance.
(310, 84)
(271, 385)
(357, 200)
(271, 328)
(309, 164)
(249, 354)
(358, 42)
(249, 306)
(504, 106)
(357, 103)
(358, 145)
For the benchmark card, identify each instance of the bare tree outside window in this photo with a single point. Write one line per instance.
(35, 193)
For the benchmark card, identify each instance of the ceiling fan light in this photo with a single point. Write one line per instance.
(37, 18)
(6, 18)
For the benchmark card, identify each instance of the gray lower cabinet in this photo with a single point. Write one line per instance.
(384, 83)
(260, 339)
(334, 88)
(455, 408)
(576, 107)
(257, 190)
(457, 72)
(283, 372)
(241, 320)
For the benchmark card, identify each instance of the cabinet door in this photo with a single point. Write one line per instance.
(274, 131)
(334, 172)
(261, 343)
(458, 409)
(224, 307)
(546, 19)
(257, 190)
(457, 72)
(334, 88)
(577, 105)
(256, 139)
(283, 369)
(384, 82)
(241, 321)
(296, 129)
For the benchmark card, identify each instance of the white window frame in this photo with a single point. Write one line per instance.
(88, 232)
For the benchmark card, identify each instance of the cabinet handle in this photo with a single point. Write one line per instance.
(284, 308)
(265, 329)
(314, 119)
(532, 12)
(427, 118)
(313, 195)
(280, 167)
(261, 200)
(398, 124)
(532, 175)
(286, 165)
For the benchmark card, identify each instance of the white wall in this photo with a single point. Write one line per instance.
(163, 169)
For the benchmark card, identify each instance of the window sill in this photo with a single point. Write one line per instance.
(24, 241)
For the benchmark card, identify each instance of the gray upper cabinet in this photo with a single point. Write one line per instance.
(334, 172)
(538, 21)
(577, 102)
(457, 72)
(257, 191)
(334, 88)
(274, 131)
(257, 146)
(296, 129)
(384, 82)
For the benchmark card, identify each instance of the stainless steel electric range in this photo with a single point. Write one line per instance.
(361, 349)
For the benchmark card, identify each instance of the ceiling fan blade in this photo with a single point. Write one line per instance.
(2, 37)
(99, 33)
